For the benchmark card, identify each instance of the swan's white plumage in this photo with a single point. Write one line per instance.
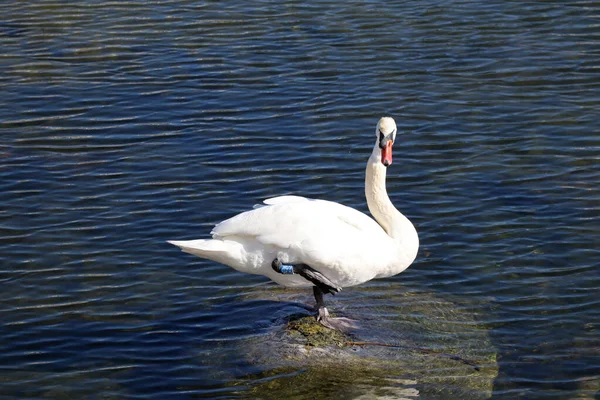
(332, 238)
(345, 245)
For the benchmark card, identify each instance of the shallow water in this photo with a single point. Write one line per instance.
(127, 124)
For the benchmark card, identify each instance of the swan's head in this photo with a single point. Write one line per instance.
(386, 134)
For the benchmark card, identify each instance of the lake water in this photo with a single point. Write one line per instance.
(124, 124)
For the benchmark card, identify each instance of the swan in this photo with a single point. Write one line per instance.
(301, 242)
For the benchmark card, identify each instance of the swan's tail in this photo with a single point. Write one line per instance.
(201, 247)
(224, 252)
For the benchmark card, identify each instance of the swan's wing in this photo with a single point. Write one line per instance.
(290, 220)
(342, 243)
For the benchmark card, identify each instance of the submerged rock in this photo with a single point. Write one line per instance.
(410, 344)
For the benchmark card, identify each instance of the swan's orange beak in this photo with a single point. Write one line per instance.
(386, 154)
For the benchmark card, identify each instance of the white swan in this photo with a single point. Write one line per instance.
(300, 242)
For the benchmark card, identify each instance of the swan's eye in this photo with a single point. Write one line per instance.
(383, 138)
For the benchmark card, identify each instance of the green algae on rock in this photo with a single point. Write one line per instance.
(315, 334)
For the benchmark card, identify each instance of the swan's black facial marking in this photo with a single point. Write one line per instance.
(384, 139)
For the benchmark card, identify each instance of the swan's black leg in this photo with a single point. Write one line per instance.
(308, 273)
(323, 314)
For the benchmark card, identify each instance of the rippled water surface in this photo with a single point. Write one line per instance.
(124, 124)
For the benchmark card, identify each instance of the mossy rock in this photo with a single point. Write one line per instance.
(315, 334)
(410, 344)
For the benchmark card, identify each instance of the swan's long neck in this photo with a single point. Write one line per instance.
(397, 226)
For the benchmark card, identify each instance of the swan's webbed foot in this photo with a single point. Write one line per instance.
(338, 324)
(323, 317)
(308, 273)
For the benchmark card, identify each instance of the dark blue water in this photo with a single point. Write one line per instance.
(123, 125)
